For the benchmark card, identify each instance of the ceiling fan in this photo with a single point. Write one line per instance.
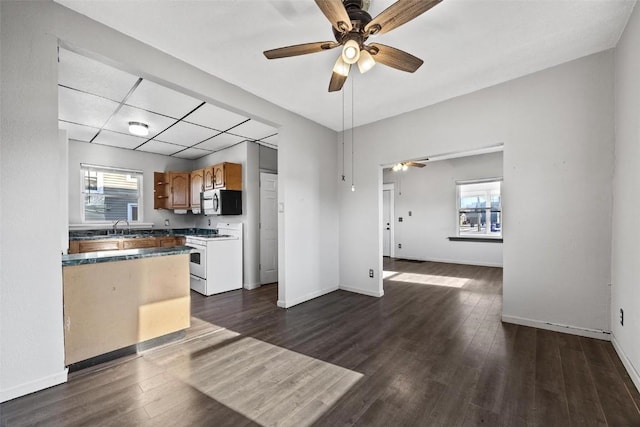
(352, 26)
(403, 166)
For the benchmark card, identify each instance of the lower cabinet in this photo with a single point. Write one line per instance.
(112, 305)
(115, 244)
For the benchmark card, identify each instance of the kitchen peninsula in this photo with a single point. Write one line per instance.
(115, 299)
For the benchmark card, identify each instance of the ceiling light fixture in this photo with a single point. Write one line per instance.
(138, 128)
(366, 61)
(341, 67)
(399, 167)
(351, 52)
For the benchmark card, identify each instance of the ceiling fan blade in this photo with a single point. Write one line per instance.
(397, 14)
(395, 58)
(336, 14)
(415, 164)
(337, 81)
(299, 49)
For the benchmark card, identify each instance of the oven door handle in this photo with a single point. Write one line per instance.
(196, 246)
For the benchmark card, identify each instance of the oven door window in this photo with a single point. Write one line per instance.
(196, 257)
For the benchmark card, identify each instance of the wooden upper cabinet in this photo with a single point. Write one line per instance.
(208, 178)
(228, 176)
(197, 186)
(180, 190)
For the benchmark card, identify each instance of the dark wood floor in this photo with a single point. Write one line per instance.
(423, 355)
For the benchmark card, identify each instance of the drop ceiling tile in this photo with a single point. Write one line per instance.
(271, 140)
(192, 153)
(83, 108)
(120, 140)
(254, 130)
(186, 134)
(162, 100)
(159, 147)
(156, 122)
(215, 117)
(78, 132)
(88, 75)
(221, 141)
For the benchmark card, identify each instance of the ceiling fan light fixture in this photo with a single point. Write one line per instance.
(366, 61)
(351, 52)
(341, 67)
(396, 167)
(138, 128)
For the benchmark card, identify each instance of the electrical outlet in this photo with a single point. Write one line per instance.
(209, 222)
(399, 245)
(166, 222)
(371, 272)
(622, 317)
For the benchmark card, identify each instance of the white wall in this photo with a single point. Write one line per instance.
(557, 130)
(307, 219)
(430, 194)
(625, 292)
(32, 352)
(31, 298)
(102, 155)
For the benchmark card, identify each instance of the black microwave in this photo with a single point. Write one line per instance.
(222, 202)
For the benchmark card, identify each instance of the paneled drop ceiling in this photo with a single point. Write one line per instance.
(96, 103)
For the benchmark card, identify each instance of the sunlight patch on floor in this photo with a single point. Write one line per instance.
(269, 384)
(429, 279)
(387, 273)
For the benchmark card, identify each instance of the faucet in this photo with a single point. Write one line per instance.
(115, 225)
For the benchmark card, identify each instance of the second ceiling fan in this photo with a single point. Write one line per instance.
(352, 26)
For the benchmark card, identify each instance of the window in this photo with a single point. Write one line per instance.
(479, 208)
(110, 194)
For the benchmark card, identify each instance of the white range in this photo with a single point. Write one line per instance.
(216, 261)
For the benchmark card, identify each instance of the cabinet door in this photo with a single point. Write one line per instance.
(233, 176)
(166, 242)
(208, 178)
(218, 176)
(139, 243)
(197, 186)
(99, 245)
(179, 182)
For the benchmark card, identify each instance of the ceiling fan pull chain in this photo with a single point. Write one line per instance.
(353, 170)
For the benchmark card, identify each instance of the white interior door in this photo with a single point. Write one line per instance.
(268, 228)
(386, 222)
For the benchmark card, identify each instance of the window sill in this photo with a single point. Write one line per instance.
(476, 239)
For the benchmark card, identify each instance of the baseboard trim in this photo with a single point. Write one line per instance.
(377, 294)
(305, 298)
(33, 386)
(631, 370)
(450, 261)
(567, 329)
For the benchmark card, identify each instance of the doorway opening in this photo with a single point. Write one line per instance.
(420, 211)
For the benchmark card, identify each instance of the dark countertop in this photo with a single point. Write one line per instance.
(123, 255)
(139, 233)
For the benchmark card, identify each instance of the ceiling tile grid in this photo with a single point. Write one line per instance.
(120, 140)
(97, 102)
(220, 141)
(214, 117)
